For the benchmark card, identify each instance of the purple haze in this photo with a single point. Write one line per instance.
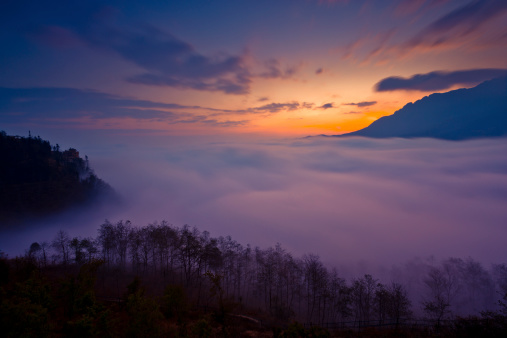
(347, 200)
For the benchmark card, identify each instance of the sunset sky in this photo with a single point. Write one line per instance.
(290, 67)
(194, 111)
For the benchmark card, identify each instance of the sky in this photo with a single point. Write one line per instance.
(286, 67)
(193, 112)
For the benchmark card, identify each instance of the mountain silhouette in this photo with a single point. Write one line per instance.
(37, 179)
(478, 112)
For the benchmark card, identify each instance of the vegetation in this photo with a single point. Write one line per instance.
(161, 280)
(38, 179)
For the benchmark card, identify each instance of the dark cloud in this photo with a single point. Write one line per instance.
(17, 104)
(461, 27)
(438, 80)
(319, 71)
(274, 70)
(213, 122)
(262, 99)
(361, 104)
(166, 59)
(228, 86)
(175, 63)
(276, 107)
(64, 105)
(327, 106)
(461, 22)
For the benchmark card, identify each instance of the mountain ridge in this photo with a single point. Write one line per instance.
(478, 112)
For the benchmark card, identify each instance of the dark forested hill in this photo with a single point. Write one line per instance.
(37, 179)
(456, 115)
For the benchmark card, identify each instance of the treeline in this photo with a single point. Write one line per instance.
(38, 179)
(275, 282)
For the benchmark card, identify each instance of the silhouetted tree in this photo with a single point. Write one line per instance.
(61, 245)
(363, 296)
(437, 305)
(399, 303)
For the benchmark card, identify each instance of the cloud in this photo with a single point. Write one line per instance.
(360, 51)
(274, 70)
(327, 106)
(212, 122)
(407, 7)
(279, 107)
(319, 71)
(17, 104)
(275, 107)
(473, 25)
(165, 59)
(459, 23)
(410, 7)
(175, 63)
(361, 104)
(345, 200)
(66, 105)
(438, 80)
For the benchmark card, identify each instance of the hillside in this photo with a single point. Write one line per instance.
(37, 179)
(456, 115)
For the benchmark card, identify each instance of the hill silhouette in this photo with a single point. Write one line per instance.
(37, 179)
(477, 112)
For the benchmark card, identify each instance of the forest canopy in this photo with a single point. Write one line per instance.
(38, 179)
(162, 280)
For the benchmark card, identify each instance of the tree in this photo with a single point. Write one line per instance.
(34, 251)
(340, 297)
(363, 293)
(61, 245)
(75, 245)
(106, 241)
(189, 253)
(500, 272)
(399, 303)
(438, 303)
(478, 286)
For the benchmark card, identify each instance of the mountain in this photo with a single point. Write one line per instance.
(37, 179)
(456, 115)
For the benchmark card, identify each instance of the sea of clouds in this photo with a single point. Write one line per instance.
(348, 200)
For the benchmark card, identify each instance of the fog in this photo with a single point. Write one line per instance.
(353, 201)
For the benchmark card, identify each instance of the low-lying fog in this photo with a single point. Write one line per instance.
(380, 202)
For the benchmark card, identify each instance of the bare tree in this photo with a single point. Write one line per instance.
(61, 245)
(399, 303)
(363, 295)
(438, 303)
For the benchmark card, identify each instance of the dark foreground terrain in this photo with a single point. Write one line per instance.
(160, 280)
(37, 179)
